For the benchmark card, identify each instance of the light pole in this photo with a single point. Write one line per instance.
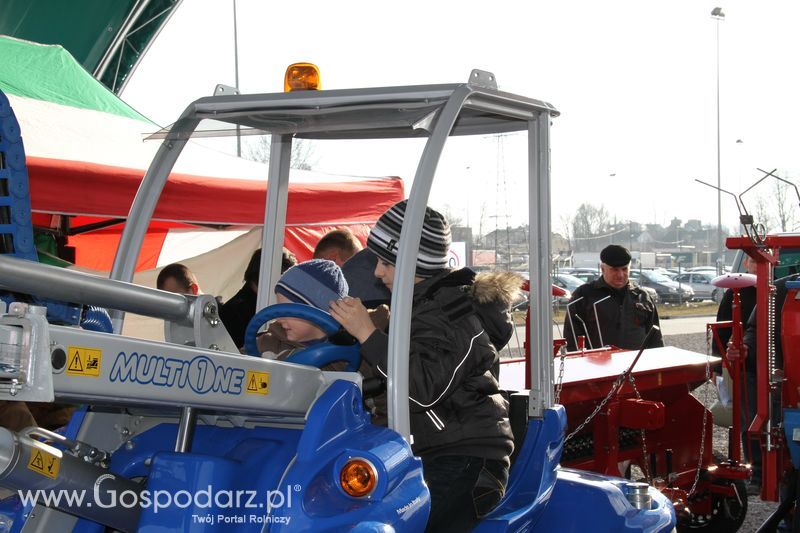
(717, 14)
(236, 77)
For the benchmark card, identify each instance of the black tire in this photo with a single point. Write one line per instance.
(727, 513)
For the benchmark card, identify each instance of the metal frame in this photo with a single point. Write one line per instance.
(116, 52)
(434, 111)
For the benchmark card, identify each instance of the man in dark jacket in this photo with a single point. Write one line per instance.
(237, 312)
(611, 311)
(459, 420)
(752, 449)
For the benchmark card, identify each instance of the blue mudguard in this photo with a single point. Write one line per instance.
(533, 475)
(585, 501)
(541, 496)
(338, 429)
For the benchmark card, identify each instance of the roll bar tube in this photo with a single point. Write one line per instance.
(144, 204)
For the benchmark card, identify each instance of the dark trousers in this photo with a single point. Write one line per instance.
(463, 490)
(750, 447)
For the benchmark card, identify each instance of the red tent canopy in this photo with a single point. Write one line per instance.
(89, 193)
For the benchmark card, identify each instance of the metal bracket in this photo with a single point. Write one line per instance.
(224, 90)
(534, 406)
(482, 78)
(25, 366)
(206, 329)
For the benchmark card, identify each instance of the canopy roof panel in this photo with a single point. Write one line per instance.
(107, 38)
(387, 112)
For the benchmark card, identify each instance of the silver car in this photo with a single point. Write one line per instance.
(700, 282)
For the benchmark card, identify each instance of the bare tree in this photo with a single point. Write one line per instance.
(452, 218)
(785, 199)
(257, 149)
(481, 222)
(762, 213)
(589, 221)
(566, 227)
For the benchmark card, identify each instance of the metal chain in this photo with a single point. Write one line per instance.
(771, 330)
(597, 409)
(705, 423)
(647, 477)
(560, 379)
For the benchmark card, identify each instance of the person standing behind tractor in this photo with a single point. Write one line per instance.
(459, 420)
(359, 272)
(237, 312)
(753, 448)
(747, 297)
(338, 246)
(177, 278)
(611, 310)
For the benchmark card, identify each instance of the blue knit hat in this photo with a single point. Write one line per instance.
(314, 283)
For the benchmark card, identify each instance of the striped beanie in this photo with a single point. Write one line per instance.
(433, 246)
(314, 283)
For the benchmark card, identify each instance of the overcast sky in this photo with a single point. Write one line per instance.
(635, 82)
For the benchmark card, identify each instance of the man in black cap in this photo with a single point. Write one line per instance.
(611, 311)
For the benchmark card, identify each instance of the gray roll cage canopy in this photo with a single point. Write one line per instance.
(432, 111)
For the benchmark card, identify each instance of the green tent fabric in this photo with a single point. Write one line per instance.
(42, 73)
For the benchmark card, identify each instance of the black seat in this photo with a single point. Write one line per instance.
(518, 417)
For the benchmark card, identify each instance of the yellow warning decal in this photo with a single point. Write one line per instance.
(257, 382)
(84, 361)
(44, 463)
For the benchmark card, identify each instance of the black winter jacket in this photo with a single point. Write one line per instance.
(625, 317)
(747, 296)
(751, 334)
(456, 406)
(237, 312)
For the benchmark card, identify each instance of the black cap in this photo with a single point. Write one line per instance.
(615, 255)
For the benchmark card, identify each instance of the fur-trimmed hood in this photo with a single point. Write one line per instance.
(502, 288)
(491, 293)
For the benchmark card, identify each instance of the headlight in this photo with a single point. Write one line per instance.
(673, 289)
(358, 477)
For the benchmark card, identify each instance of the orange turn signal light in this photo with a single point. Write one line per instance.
(358, 478)
(302, 77)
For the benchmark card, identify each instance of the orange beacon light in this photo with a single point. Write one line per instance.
(302, 77)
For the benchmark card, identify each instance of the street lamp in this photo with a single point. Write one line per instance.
(236, 77)
(717, 14)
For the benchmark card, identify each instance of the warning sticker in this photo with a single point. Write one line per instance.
(257, 382)
(84, 361)
(44, 463)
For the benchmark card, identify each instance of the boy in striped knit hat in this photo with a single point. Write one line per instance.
(459, 420)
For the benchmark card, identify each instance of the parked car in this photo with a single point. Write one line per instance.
(671, 273)
(700, 282)
(668, 291)
(567, 282)
(709, 269)
(653, 294)
(584, 273)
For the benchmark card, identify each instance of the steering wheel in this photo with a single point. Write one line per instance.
(338, 346)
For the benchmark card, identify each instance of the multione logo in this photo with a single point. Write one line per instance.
(200, 374)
